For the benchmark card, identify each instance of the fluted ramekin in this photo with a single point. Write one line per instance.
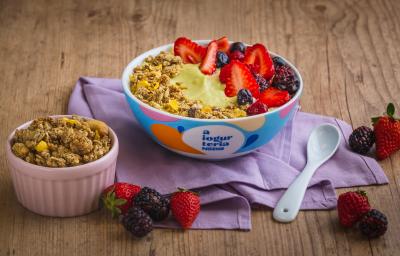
(62, 192)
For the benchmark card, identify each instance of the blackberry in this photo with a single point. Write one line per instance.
(285, 79)
(153, 203)
(137, 222)
(237, 46)
(373, 224)
(361, 140)
(261, 81)
(244, 96)
(278, 61)
(222, 59)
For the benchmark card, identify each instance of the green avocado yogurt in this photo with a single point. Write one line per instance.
(197, 86)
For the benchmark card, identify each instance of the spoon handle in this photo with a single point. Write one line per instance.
(288, 206)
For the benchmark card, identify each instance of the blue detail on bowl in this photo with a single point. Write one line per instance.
(252, 138)
(181, 128)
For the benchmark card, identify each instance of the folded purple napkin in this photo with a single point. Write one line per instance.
(228, 188)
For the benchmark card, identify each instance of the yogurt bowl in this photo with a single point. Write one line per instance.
(213, 139)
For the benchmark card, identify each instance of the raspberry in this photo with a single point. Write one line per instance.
(236, 55)
(256, 108)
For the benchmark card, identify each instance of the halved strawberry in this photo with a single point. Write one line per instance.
(223, 44)
(208, 65)
(189, 51)
(225, 72)
(258, 55)
(240, 77)
(274, 97)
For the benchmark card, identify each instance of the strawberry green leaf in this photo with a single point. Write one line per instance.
(120, 201)
(375, 119)
(390, 109)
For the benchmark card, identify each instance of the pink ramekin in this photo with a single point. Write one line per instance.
(62, 192)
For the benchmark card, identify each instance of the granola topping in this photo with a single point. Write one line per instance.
(152, 82)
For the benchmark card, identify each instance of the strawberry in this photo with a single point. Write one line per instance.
(118, 197)
(189, 51)
(258, 55)
(208, 65)
(225, 73)
(351, 207)
(238, 78)
(387, 133)
(185, 206)
(223, 44)
(274, 97)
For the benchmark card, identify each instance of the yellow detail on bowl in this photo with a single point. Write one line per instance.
(250, 124)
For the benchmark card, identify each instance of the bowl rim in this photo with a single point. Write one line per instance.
(84, 169)
(126, 87)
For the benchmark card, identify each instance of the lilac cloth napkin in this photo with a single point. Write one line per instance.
(228, 188)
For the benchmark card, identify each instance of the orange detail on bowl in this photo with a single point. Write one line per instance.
(171, 138)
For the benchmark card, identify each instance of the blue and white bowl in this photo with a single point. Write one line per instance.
(208, 138)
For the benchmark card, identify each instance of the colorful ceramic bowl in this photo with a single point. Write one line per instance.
(204, 138)
(62, 192)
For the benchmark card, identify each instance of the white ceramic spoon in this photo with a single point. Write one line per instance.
(322, 144)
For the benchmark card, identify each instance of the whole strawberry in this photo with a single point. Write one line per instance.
(387, 133)
(118, 197)
(185, 206)
(351, 207)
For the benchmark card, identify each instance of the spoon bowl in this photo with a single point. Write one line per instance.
(322, 144)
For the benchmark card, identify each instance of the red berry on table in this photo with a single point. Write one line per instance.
(258, 54)
(239, 77)
(274, 97)
(351, 207)
(256, 108)
(236, 55)
(223, 44)
(373, 224)
(387, 133)
(208, 64)
(189, 51)
(118, 197)
(185, 206)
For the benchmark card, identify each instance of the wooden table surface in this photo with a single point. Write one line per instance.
(347, 51)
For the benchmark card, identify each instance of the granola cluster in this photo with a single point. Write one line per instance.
(62, 142)
(151, 83)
